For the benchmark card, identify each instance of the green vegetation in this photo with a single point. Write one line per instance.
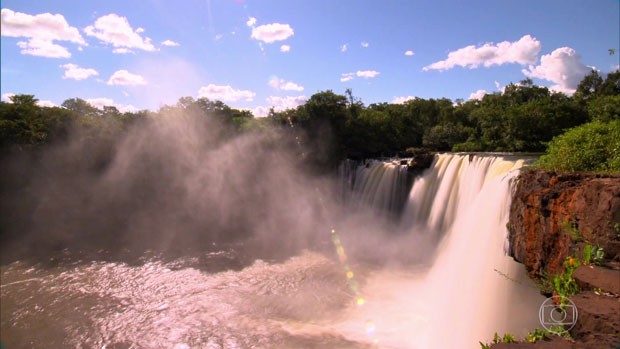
(536, 335)
(594, 146)
(532, 337)
(580, 133)
(507, 338)
(563, 284)
(593, 254)
(599, 255)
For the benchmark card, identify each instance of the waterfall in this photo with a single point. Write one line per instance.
(381, 186)
(470, 289)
(450, 186)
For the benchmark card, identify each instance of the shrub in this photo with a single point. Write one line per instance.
(594, 146)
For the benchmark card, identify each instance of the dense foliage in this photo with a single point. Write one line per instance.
(594, 146)
(522, 118)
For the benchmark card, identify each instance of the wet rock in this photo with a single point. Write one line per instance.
(419, 162)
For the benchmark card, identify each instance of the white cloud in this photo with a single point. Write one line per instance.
(42, 30)
(122, 50)
(260, 111)
(344, 48)
(346, 77)
(283, 103)
(270, 33)
(478, 94)
(123, 77)
(225, 93)
(116, 30)
(6, 97)
(46, 103)
(525, 51)
(75, 72)
(170, 43)
(251, 21)
(281, 84)
(285, 48)
(367, 74)
(498, 86)
(365, 44)
(401, 100)
(99, 103)
(44, 26)
(43, 48)
(563, 66)
(409, 53)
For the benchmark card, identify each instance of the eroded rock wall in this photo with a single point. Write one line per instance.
(554, 215)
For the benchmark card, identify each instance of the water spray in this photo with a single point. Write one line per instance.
(341, 253)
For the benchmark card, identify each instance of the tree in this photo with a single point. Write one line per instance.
(80, 107)
(589, 85)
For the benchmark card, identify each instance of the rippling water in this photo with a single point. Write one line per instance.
(176, 304)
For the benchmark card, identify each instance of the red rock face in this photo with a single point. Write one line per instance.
(553, 216)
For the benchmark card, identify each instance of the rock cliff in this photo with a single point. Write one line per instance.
(554, 215)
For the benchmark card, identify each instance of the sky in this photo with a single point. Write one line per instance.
(260, 54)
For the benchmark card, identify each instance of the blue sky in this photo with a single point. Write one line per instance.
(260, 54)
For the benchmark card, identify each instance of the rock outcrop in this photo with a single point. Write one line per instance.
(554, 215)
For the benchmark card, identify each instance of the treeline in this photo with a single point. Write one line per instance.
(522, 118)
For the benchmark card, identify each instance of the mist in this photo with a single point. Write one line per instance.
(171, 182)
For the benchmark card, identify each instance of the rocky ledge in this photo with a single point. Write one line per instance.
(554, 216)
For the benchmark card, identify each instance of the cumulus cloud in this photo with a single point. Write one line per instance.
(46, 103)
(251, 21)
(41, 30)
(43, 48)
(170, 43)
(99, 103)
(260, 111)
(123, 77)
(283, 103)
(6, 97)
(563, 66)
(367, 74)
(225, 93)
(524, 51)
(409, 53)
(75, 72)
(347, 77)
(344, 48)
(401, 100)
(270, 33)
(281, 84)
(285, 48)
(116, 30)
(478, 95)
(365, 44)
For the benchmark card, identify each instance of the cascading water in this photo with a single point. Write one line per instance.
(460, 290)
(471, 289)
(379, 185)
